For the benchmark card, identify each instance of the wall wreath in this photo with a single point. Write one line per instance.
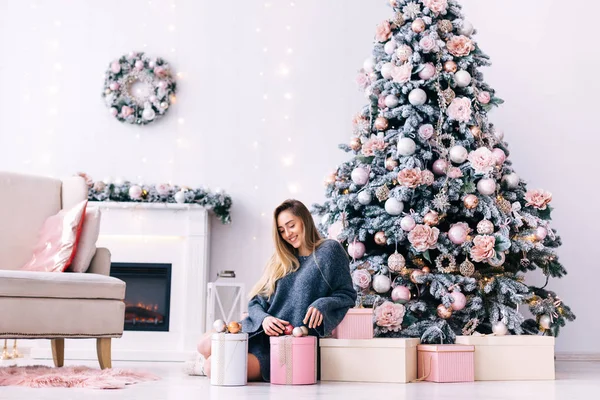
(138, 89)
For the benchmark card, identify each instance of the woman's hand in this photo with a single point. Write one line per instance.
(313, 318)
(274, 326)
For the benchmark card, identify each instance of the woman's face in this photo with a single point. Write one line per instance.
(291, 228)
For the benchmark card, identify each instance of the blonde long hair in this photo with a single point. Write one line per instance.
(284, 260)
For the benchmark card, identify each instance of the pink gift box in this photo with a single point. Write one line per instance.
(446, 363)
(293, 360)
(357, 324)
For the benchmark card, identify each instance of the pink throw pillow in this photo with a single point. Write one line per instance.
(86, 247)
(57, 242)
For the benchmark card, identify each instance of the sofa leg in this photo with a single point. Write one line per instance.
(103, 349)
(58, 351)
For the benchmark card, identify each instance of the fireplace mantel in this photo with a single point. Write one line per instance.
(177, 234)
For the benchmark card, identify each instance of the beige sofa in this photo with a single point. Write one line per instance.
(52, 305)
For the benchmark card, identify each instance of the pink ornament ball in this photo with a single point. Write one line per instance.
(457, 234)
(499, 155)
(162, 85)
(541, 233)
(460, 301)
(401, 294)
(139, 65)
(440, 166)
(427, 71)
(335, 229)
(356, 249)
(407, 223)
(113, 111)
(114, 86)
(360, 176)
(115, 67)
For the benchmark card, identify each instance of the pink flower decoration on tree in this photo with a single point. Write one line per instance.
(374, 143)
(427, 177)
(538, 198)
(426, 131)
(163, 189)
(460, 46)
(484, 97)
(483, 248)
(423, 237)
(403, 73)
(428, 44)
(362, 80)
(454, 173)
(436, 6)
(410, 177)
(482, 160)
(460, 109)
(383, 32)
(389, 316)
(361, 278)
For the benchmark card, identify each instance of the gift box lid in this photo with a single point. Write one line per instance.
(230, 337)
(446, 348)
(296, 341)
(360, 311)
(508, 340)
(373, 343)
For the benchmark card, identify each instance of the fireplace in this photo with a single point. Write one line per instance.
(147, 295)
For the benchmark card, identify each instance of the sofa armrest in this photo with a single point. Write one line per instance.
(101, 262)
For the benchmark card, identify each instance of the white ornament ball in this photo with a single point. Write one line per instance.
(369, 65)
(365, 197)
(407, 223)
(180, 196)
(135, 192)
(401, 294)
(387, 69)
(466, 28)
(460, 301)
(360, 176)
(406, 147)
(458, 154)
(114, 111)
(545, 321)
(499, 328)
(427, 71)
(457, 234)
(486, 186)
(511, 181)
(390, 47)
(404, 53)
(391, 101)
(297, 332)
(219, 325)
(462, 78)
(394, 206)
(148, 114)
(304, 330)
(381, 284)
(417, 97)
(541, 233)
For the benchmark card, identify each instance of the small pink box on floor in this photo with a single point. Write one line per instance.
(293, 360)
(357, 324)
(446, 363)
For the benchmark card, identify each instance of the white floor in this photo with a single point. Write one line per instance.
(574, 380)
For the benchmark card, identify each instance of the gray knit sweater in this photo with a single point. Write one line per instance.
(325, 284)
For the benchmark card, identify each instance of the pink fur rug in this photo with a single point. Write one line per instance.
(39, 376)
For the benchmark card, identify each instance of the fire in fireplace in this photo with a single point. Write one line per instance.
(147, 295)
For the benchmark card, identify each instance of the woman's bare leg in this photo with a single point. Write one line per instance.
(204, 344)
(253, 368)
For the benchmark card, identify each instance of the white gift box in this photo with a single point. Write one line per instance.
(512, 357)
(229, 359)
(369, 360)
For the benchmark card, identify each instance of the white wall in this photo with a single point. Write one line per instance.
(53, 121)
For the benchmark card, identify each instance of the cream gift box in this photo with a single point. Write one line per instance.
(229, 360)
(369, 360)
(512, 357)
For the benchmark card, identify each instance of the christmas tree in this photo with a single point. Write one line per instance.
(439, 228)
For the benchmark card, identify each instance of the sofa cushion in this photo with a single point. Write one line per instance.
(86, 247)
(26, 203)
(57, 241)
(64, 286)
